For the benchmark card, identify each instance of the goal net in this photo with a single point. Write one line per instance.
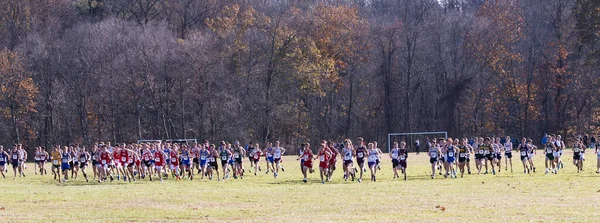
(414, 140)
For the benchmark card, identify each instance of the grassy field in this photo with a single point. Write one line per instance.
(512, 197)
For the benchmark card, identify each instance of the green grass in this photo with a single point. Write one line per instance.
(512, 197)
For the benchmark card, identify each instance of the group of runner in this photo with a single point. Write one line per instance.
(449, 157)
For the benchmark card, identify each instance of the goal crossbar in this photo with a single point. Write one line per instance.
(412, 133)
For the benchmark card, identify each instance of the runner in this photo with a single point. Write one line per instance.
(394, 157)
(463, 150)
(256, 153)
(225, 154)
(3, 160)
(549, 150)
(379, 153)
(75, 163)
(324, 156)
(66, 159)
(508, 146)
(532, 151)
(361, 152)
(147, 157)
(238, 153)
(56, 155)
(348, 152)
(250, 153)
(269, 158)
(14, 161)
(42, 162)
(130, 163)
(577, 161)
(160, 160)
(450, 153)
(277, 154)
(524, 149)
(489, 157)
(36, 160)
(333, 160)
(204, 155)
(308, 157)
(560, 146)
(214, 154)
(402, 158)
(174, 164)
(372, 160)
(433, 152)
(498, 148)
(470, 150)
(186, 163)
(84, 156)
(195, 155)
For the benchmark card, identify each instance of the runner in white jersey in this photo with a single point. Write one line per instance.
(347, 153)
(277, 154)
(560, 146)
(372, 160)
(433, 153)
(394, 157)
(531, 153)
(508, 154)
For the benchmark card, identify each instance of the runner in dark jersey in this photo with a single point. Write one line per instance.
(361, 153)
(523, 152)
(402, 158)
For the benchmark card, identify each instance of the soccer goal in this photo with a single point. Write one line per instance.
(180, 141)
(411, 138)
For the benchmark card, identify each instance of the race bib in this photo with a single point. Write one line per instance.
(15, 157)
(64, 160)
(434, 154)
(202, 157)
(255, 157)
(146, 158)
(462, 155)
(212, 159)
(450, 154)
(305, 157)
(173, 160)
(322, 158)
(348, 156)
(157, 159)
(223, 157)
(75, 160)
(394, 156)
(360, 155)
(402, 157)
(55, 162)
(236, 155)
(130, 161)
(277, 156)
(1, 159)
(576, 150)
(123, 159)
(523, 153)
(103, 161)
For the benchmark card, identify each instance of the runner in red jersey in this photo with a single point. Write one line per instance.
(129, 163)
(256, 152)
(307, 156)
(334, 154)
(103, 165)
(324, 157)
(175, 161)
(123, 161)
(159, 163)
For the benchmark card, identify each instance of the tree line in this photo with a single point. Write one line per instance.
(84, 71)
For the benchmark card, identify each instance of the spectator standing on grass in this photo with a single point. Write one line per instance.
(418, 146)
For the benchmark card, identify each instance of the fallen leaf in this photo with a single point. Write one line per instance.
(482, 182)
(443, 208)
(437, 206)
(2, 208)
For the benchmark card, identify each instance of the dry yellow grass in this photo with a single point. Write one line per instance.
(505, 197)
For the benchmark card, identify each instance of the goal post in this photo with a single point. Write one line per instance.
(389, 139)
